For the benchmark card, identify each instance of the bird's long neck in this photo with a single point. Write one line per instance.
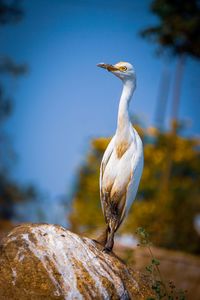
(123, 122)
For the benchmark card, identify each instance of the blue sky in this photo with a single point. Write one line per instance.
(65, 100)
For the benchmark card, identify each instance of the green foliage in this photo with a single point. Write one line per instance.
(166, 208)
(161, 290)
(178, 28)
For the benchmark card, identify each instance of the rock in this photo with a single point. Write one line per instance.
(42, 261)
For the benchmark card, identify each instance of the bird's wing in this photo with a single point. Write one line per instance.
(131, 183)
(127, 178)
(105, 159)
(137, 163)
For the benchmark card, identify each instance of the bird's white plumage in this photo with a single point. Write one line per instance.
(123, 173)
(122, 162)
(137, 163)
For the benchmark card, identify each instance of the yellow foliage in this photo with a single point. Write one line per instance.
(168, 198)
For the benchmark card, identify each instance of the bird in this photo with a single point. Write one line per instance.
(122, 163)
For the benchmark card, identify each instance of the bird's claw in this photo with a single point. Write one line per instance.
(106, 250)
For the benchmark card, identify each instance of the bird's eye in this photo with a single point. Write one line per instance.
(123, 69)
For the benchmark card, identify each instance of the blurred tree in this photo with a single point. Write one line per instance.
(10, 191)
(163, 93)
(177, 32)
(86, 199)
(10, 11)
(179, 27)
(168, 212)
(167, 215)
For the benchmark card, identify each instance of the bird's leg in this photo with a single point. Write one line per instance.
(112, 228)
(110, 240)
(113, 218)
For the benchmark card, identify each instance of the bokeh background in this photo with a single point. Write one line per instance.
(58, 111)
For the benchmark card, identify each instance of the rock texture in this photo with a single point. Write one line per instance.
(41, 261)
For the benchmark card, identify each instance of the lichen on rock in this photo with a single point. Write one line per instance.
(43, 261)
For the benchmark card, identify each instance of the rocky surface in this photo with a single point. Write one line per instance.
(41, 261)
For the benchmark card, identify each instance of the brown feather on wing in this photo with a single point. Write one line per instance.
(114, 204)
(104, 194)
(113, 200)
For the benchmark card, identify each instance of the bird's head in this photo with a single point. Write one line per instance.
(123, 70)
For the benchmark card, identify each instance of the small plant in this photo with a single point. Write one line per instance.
(160, 288)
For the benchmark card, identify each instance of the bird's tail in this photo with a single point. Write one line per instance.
(102, 238)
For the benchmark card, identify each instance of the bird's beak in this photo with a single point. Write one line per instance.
(108, 67)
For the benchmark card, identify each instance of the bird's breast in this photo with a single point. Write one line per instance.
(123, 141)
(110, 172)
(121, 148)
(117, 173)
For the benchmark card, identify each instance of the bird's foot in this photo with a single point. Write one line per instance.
(107, 250)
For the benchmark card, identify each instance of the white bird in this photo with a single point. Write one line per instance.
(122, 163)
